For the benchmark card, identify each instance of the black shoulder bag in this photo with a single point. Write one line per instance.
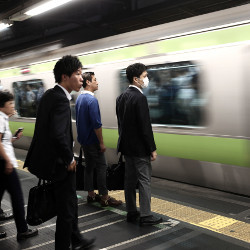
(116, 175)
(41, 203)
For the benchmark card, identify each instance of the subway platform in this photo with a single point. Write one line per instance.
(193, 218)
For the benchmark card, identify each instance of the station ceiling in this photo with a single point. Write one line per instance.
(85, 20)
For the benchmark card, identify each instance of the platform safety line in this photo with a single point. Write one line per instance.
(105, 225)
(8, 237)
(97, 212)
(88, 230)
(82, 203)
(82, 216)
(137, 238)
(11, 222)
(210, 221)
(39, 245)
(47, 226)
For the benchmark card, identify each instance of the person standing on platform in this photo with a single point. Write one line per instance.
(136, 143)
(89, 130)
(51, 156)
(5, 215)
(8, 175)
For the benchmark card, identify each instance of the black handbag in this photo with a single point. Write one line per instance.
(80, 168)
(116, 175)
(41, 203)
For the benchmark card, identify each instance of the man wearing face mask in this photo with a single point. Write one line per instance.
(136, 143)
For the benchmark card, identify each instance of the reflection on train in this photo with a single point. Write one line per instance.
(173, 95)
(27, 95)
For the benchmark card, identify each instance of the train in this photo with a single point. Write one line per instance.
(198, 94)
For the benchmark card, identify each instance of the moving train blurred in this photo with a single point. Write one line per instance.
(198, 93)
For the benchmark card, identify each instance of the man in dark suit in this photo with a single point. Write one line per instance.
(50, 155)
(136, 143)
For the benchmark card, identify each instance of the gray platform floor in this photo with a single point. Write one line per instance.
(111, 230)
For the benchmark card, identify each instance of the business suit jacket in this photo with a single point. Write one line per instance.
(51, 149)
(135, 131)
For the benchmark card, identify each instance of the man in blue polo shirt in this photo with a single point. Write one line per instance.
(89, 135)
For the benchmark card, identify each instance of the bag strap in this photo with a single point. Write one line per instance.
(120, 159)
(80, 156)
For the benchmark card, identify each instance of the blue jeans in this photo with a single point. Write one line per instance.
(95, 161)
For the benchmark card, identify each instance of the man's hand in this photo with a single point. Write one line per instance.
(8, 168)
(19, 135)
(72, 166)
(102, 147)
(153, 155)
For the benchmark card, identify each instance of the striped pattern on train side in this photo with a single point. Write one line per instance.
(186, 42)
(229, 151)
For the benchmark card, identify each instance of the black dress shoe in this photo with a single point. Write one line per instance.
(150, 220)
(83, 244)
(2, 235)
(132, 216)
(29, 233)
(6, 216)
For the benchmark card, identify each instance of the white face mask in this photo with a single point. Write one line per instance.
(146, 82)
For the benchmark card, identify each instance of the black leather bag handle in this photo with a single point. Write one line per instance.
(80, 157)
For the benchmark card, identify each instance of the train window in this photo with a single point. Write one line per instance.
(27, 95)
(174, 93)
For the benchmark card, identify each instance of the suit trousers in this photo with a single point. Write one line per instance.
(138, 170)
(95, 161)
(12, 184)
(67, 230)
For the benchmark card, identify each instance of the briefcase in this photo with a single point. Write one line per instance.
(41, 203)
(116, 175)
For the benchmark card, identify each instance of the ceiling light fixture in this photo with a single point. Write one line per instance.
(4, 26)
(45, 7)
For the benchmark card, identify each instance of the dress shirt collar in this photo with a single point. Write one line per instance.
(4, 115)
(87, 92)
(65, 91)
(131, 85)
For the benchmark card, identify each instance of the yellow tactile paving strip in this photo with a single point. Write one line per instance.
(214, 222)
(20, 166)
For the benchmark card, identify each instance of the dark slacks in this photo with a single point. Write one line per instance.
(138, 170)
(67, 213)
(11, 183)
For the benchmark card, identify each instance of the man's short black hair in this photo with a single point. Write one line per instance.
(87, 76)
(66, 65)
(5, 96)
(135, 70)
